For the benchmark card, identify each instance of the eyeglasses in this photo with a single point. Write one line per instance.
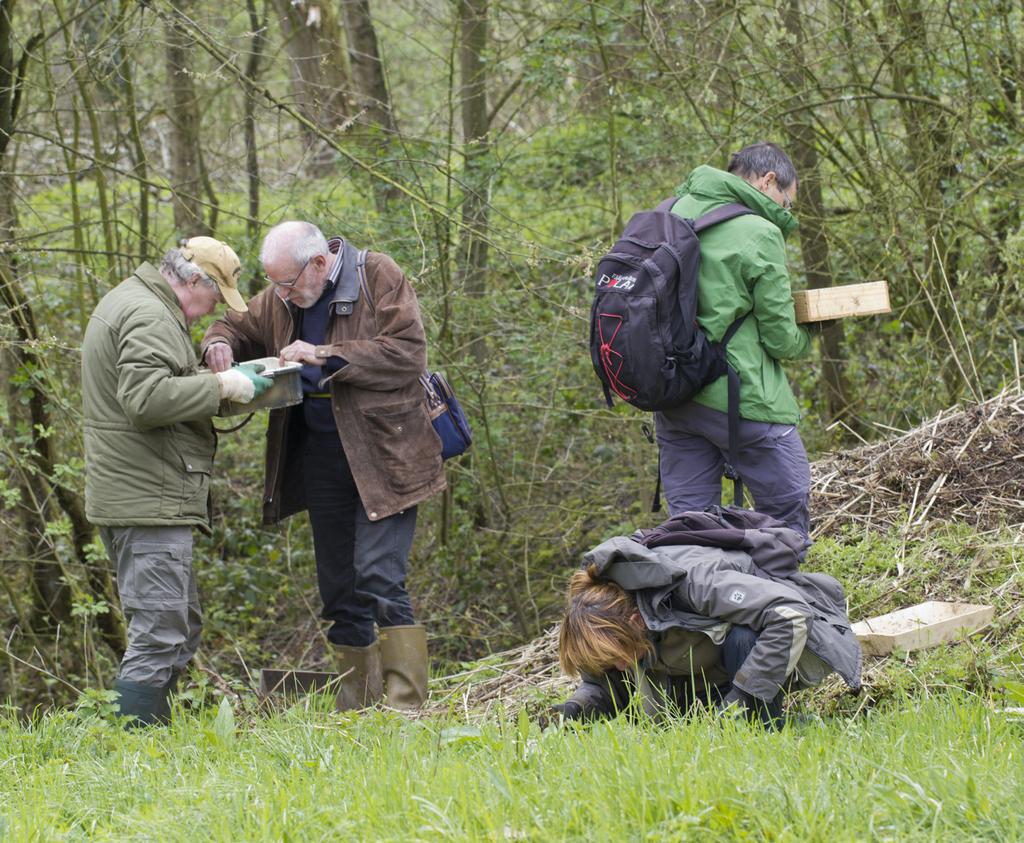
(787, 203)
(294, 281)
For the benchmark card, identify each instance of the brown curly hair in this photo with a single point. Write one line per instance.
(598, 630)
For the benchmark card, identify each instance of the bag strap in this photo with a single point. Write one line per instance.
(435, 395)
(734, 435)
(733, 414)
(720, 214)
(607, 394)
(648, 434)
(361, 272)
(666, 206)
(730, 332)
(235, 427)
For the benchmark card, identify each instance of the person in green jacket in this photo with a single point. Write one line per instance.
(149, 445)
(743, 274)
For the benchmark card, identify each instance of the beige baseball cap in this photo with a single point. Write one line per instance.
(219, 261)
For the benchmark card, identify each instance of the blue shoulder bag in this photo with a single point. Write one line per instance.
(447, 416)
(446, 413)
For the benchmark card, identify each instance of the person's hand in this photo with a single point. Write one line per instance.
(243, 383)
(219, 357)
(736, 703)
(558, 714)
(743, 706)
(300, 352)
(252, 372)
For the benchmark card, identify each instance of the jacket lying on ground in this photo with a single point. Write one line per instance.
(775, 548)
(804, 632)
(146, 410)
(377, 399)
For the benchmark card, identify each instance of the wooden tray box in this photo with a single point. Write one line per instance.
(842, 301)
(916, 627)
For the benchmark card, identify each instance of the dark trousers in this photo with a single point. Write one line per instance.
(360, 564)
(693, 442)
(739, 641)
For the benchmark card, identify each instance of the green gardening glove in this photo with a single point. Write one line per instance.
(251, 371)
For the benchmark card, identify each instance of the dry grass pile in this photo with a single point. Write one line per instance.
(964, 465)
(507, 680)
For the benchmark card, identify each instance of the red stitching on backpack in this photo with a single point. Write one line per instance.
(623, 390)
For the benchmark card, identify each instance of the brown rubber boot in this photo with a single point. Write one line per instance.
(403, 656)
(361, 685)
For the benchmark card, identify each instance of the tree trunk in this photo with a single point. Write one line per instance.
(50, 597)
(367, 69)
(372, 92)
(320, 82)
(39, 481)
(183, 113)
(252, 161)
(934, 163)
(9, 81)
(476, 176)
(47, 575)
(608, 104)
(140, 165)
(813, 242)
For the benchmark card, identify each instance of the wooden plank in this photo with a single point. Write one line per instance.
(839, 302)
(295, 681)
(917, 627)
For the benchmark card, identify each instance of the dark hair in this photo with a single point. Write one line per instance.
(759, 158)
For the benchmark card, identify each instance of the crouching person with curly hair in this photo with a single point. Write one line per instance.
(679, 627)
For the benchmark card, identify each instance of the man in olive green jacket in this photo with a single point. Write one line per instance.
(149, 447)
(743, 274)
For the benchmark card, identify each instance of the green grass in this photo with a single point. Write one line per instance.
(943, 767)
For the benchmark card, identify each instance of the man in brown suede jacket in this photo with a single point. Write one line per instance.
(359, 453)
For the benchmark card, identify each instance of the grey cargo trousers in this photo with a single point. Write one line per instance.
(693, 441)
(158, 594)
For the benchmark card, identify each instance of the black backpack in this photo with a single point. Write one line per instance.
(645, 343)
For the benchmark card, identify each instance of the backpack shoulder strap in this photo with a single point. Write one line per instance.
(360, 269)
(429, 386)
(733, 413)
(666, 206)
(730, 332)
(721, 214)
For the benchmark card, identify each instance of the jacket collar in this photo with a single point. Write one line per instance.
(153, 281)
(717, 186)
(343, 277)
